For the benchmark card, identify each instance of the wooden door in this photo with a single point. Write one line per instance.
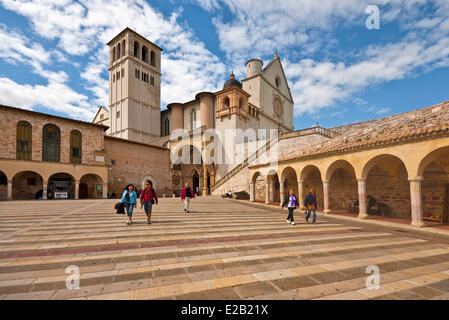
(83, 194)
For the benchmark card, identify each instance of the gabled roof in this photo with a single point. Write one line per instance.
(283, 73)
(101, 107)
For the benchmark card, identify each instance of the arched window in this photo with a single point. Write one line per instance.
(153, 58)
(113, 54)
(193, 119)
(123, 48)
(144, 54)
(119, 51)
(277, 82)
(152, 80)
(76, 142)
(136, 49)
(226, 103)
(51, 143)
(23, 146)
(166, 127)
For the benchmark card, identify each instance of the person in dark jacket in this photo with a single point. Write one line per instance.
(291, 202)
(148, 197)
(129, 197)
(187, 194)
(311, 205)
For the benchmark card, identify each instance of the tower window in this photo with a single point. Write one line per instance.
(153, 58)
(118, 75)
(152, 80)
(113, 54)
(136, 49)
(119, 51)
(113, 78)
(144, 53)
(123, 73)
(166, 127)
(117, 114)
(123, 48)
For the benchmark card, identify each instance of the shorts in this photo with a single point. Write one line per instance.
(147, 207)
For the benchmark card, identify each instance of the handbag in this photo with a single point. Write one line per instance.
(311, 207)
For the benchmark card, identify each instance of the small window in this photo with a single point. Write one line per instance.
(153, 58)
(118, 75)
(113, 54)
(75, 146)
(119, 51)
(123, 48)
(117, 114)
(136, 49)
(123, 73)
(113, 78)
(23, 147)
(152, 80)
(101, 116)
(277, 82)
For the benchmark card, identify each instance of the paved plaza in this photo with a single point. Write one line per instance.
(223, 249)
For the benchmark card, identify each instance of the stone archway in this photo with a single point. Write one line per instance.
(311, 177)
(434, 170)
(26, 185)
(274, 187)
(387, 187)
(61, 186)
(289, 180)
(343, 188)
(91, 187)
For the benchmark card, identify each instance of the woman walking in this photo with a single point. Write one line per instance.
(186, 195)
(148, 197)
(291, 202)
(130, 198)
(311, 205)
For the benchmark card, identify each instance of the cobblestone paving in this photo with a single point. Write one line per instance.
(223, 249)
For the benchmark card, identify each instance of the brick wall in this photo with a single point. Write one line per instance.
(134, 162)
(92, 136)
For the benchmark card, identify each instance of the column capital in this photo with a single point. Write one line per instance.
(361, 180)
(325, 181)
(416, 179)
(301, 181)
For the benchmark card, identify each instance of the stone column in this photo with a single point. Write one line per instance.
(361, 183)
(281, 192)
(9, 190)
(300, 193)
(204, 180)
(267, 191)
(77, 189)
(252, 191)
(44, 190)
(326, 196)
(416, 201)
(105, 190)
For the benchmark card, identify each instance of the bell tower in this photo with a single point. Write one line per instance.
(134, 87)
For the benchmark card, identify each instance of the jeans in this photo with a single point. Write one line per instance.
(290, 214)
(129, 209)
(314, 214)
(186, 203)
(147, 206)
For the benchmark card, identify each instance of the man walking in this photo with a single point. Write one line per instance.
(187, 194)
(310, 203)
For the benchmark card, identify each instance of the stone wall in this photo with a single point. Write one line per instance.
(434, 190)
(135, 162)
(92, 135)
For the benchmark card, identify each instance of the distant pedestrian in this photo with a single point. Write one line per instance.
(129, 197)
(148, 198)
(311, 205)
(291, 202)
(186, 195)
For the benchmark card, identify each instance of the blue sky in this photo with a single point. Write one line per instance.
(53, 53)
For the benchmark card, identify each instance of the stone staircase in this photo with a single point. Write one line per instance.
(325, 132)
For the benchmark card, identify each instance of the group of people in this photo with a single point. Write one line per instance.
(291, 202)
(148, 198)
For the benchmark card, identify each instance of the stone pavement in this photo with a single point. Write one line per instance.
(222, 250)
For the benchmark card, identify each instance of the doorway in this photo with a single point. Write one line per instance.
(196, 183)
(83, 192)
